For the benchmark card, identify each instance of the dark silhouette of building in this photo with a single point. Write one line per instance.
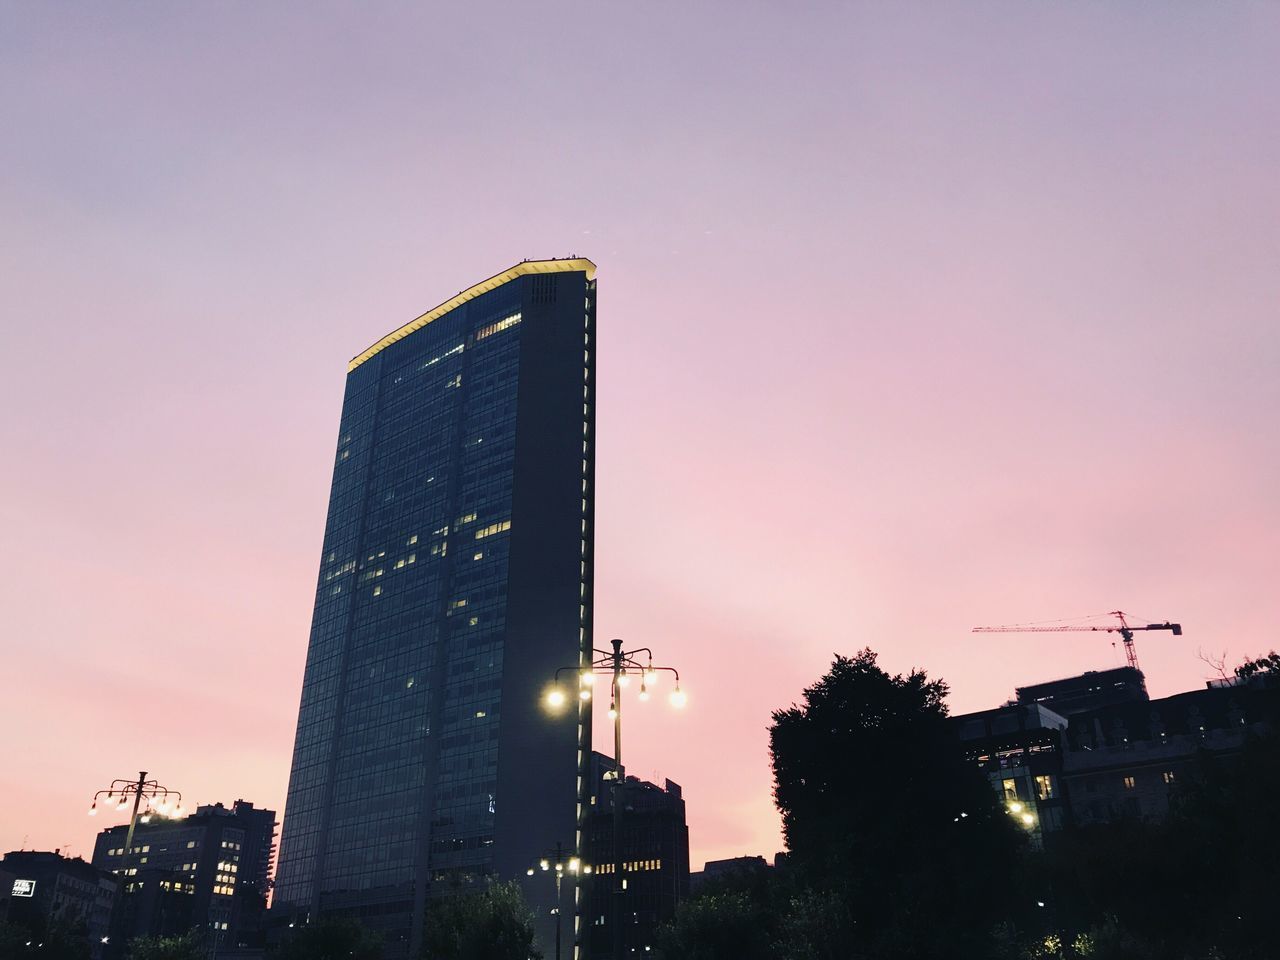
(207, 871)
(1122, 760)
(732, 868)
(48, 888)
(1088, 691)
(654, 860)
(455, 577)
(1096, 748)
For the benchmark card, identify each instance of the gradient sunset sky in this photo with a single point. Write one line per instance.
(912, 317)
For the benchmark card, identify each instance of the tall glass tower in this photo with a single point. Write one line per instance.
(455, 577)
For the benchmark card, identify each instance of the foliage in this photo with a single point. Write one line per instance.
(492, 924)
(1257, 666)
(718, 925)
(331, 938)
(48, 941)
(880, 808)
(185, 947)
(1199, 884)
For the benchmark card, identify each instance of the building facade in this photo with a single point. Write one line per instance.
(207, 871)
(654, 861)
(47, 888)
(1019, 747)
(1096, 748)
(455, 577)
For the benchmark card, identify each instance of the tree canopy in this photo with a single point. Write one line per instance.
(494, 923)
(881, 810)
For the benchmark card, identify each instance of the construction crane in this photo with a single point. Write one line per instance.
(1124, 628)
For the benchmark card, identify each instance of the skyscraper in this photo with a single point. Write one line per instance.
(455, 576)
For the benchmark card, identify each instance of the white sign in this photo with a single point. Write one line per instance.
(24, 888)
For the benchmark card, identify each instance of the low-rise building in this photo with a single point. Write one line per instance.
(208, 871)
(47, 888)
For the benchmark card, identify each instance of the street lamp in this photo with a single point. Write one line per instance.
(620, 666)
(143, 791)
(558, 862)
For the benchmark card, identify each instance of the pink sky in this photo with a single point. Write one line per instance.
(912, 317)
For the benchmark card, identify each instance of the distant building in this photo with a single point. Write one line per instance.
(731, 867)
(50, 888)
(654, 860)
(1122, 760)
(1088, 691)
(208, 871)
(1095, 748)
(1019, 747)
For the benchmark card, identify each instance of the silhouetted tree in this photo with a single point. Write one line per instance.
(1269, 665)
(490, 924)
(186, 947)
(881, 810)
(331, 938)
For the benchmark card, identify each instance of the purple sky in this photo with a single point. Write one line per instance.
(912, 317)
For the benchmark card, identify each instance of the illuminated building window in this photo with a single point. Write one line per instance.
(504, 324)
(493, 528)
(1044, 787)
(1168, 776)
(1129, 783)
(1011, 789)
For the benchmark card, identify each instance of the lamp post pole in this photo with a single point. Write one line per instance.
(619, 778)
(619, 665)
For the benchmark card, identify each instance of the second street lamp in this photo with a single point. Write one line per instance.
(559, 862)
(621, 666)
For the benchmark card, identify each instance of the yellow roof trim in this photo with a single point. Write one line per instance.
(519, 270)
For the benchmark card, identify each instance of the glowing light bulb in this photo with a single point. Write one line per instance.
(555, 698)
(613, 711)
(651, 675)
(585, 694)
(623, 679)
(678, 698)
(1015, 807)
(529, 871)
(644, 692)
(544, 864)
(1028, 819)
(574, 864)
(93, 809)
(588, 678)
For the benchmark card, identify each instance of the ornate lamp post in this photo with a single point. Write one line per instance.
(622, 667)
(158, 799)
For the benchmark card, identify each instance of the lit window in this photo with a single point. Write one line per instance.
(493, 528)
(478, 556)
(1129, 783)
(504, 324)
(1168, 776)
(1044, 787)
(1011, 789)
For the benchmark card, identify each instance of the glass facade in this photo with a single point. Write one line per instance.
(455, 577)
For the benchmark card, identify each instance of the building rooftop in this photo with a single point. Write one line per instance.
(522, 269)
